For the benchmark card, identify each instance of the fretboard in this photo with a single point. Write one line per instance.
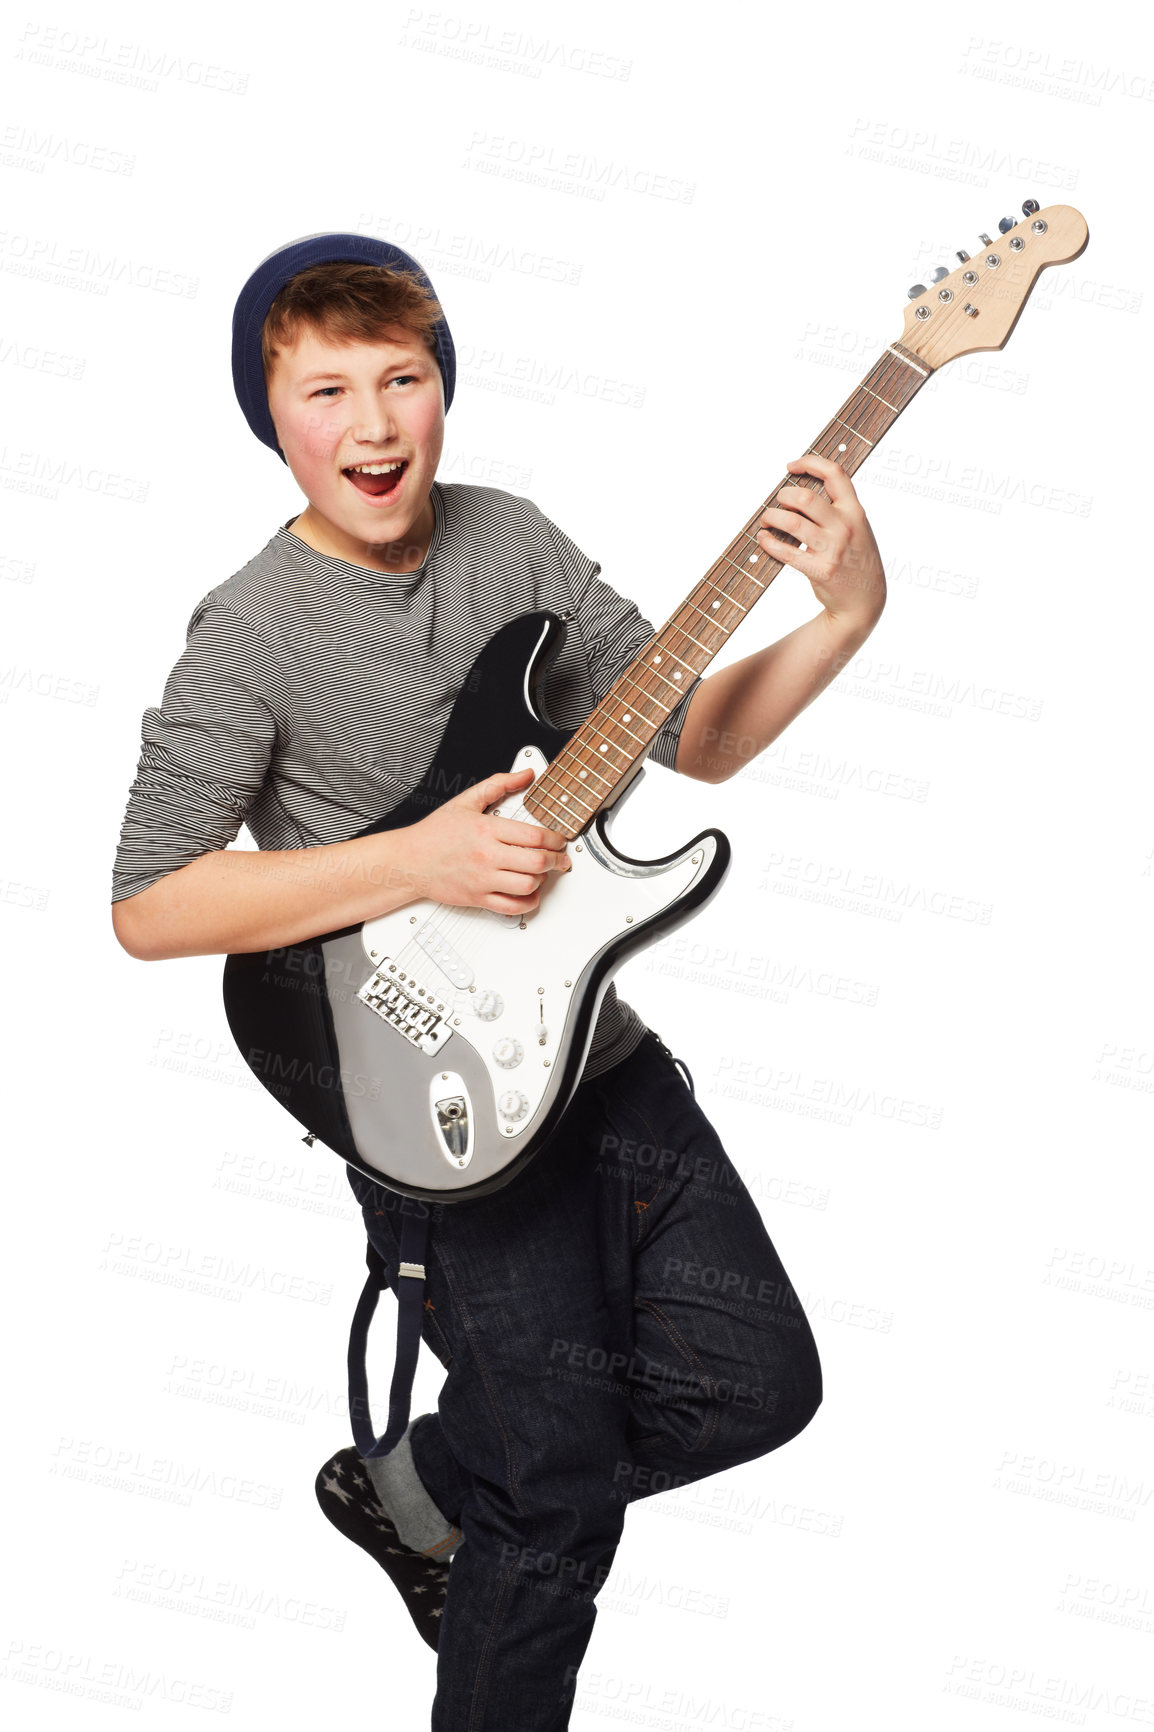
(587, 772)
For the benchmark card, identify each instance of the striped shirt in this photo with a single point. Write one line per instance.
(312, 693)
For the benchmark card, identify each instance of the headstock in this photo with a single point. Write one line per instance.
(976, 306)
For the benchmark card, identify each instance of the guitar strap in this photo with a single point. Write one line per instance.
(410, 1304)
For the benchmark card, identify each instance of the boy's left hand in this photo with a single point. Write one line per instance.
(840, 557)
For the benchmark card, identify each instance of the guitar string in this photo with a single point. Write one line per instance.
(407, 955)
(447, 929)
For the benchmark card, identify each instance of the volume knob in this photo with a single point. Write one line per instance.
(489, 1005)
(508, 1053)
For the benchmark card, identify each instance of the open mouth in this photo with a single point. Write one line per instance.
(376, 480)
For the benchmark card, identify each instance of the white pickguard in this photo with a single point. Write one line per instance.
(505, 984)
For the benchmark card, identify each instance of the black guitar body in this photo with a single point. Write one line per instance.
(296, 1017)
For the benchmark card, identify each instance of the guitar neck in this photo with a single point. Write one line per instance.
(586, 774)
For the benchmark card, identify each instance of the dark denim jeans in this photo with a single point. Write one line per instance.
(614, 1322)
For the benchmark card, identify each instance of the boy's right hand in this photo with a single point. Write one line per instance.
(464, 857)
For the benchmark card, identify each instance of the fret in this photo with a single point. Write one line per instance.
(601, 763)
(711, 615)
(632, 677)
(853, 430)
(672, 684)
(576, 745)
(616, 722)
(631, 734)
(565, 796)
(692, 639)
(741, 569)
(734, 600)
(607, 781)
(650, 698)
(657, 673)
(654, 643)
(667, 651)
(884, 400)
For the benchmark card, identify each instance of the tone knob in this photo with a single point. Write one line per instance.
(513, 1105)
(1005, 224)
(940, 271)
(916, 290)
(489, 1005)
(508, 1053)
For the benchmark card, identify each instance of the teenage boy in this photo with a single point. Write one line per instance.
(595, 1350)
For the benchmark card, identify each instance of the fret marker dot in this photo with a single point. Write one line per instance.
(603, 748)
(627, 717)
(584, 773)
(753, 559)
(564, 796)
(657, 658)
(841, 447)
(677, 675)
(716, 604)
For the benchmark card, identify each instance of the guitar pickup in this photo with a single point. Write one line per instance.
(438, 949)
(415, 1018)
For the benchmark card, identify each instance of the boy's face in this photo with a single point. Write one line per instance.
(335, 406)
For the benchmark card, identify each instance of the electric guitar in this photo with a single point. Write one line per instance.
(436, 1048)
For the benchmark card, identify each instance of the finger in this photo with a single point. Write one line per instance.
(831, 475)
(807, 502)
(517, 884)
(539, 861)
(794, 524)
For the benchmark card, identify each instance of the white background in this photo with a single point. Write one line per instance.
(918, 1013)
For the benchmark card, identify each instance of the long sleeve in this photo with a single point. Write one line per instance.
(613, 632)
(205, 750)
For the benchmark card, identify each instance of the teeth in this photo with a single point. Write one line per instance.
(375, 468)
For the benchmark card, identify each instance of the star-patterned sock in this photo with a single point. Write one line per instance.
(401, 1493)
(349, 1500)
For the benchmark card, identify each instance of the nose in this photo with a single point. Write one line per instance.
(373, 420)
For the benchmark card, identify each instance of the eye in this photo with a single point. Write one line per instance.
(401, 378)
(325, 389)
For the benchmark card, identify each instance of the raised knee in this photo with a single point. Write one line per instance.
(783, 1406)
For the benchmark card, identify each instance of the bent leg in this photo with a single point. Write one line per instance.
(725, 1367)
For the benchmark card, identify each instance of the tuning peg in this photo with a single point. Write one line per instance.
(963, 257)
(985, 240)
(1030, 206)
(940, 271)
(1005, 225)
(916, 290)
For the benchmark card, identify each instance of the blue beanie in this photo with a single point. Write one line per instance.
(264, 286)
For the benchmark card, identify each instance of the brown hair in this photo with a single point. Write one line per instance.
(348, 302)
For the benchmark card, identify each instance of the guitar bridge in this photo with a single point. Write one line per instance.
(387, 994)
